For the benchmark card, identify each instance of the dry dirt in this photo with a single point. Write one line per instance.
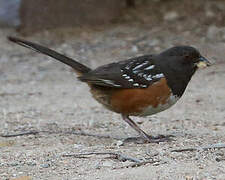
(40, 94)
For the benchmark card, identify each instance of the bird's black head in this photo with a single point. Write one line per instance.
(179, 63)
(186, 55)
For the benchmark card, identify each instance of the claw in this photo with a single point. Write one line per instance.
(150, 139)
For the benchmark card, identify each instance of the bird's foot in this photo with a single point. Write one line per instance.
(159, 138)
(149, 139)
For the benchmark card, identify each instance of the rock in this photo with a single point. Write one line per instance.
(9, 13)
(22, 178)
(215, 33)
(7, 143)
(212, 31)
(51, 14)
(209, 14)
(78, 146)
(119, 143)
(31, 163)
(14, 164)
(134, 49)
(189, 178)
(107, 164)
(98, 165)
(154, 42)
(45, 165)
(170, 16)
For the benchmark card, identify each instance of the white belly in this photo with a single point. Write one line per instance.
(161, 107)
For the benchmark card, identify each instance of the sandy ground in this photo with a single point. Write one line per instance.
(39, 94)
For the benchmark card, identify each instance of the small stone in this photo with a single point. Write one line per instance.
(140, 121)
(223, 37)
(91, 123)
(107, 164)
(45, 165)
(14, 164)
(31, 164)
(134, 49)
(119, 143)
(218, 159)
(157, 48)
(209, 14)
(98, 165)
(78, 146)
(189, 178)
(170, 16)
(22, 178)
(154, 42)
(212, 32)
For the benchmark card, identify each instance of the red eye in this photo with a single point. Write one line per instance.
(186, 56)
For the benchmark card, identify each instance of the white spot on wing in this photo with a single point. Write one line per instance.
(143, 85)
(147, 77)
(131, 80)
(139, 66)
(135, 84)
(135, 72)
(157, 76)
(150, 67)
(110, 82)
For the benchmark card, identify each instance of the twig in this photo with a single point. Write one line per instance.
(60, 132)
(20, 134)
(93, 135)
(204, 148)
(118, 156)
(137, 164)
(121, 157)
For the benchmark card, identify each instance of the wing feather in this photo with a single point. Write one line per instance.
(139, 72)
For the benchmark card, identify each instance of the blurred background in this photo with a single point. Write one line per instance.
(40, 94)
(154, 19)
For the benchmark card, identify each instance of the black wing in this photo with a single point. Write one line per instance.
(139, 72)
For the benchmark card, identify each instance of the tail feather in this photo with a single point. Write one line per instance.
(80, 68)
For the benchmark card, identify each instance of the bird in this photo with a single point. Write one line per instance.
(139, 86)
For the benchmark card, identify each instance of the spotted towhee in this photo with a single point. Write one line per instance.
(139, 86)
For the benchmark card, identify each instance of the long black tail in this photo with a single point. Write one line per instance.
(80, 68)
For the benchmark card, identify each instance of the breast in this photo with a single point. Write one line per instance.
(161, 107)
(143, 102)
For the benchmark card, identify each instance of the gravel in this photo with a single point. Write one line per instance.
(39, 94)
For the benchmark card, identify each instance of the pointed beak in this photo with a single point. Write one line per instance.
(203, 62)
